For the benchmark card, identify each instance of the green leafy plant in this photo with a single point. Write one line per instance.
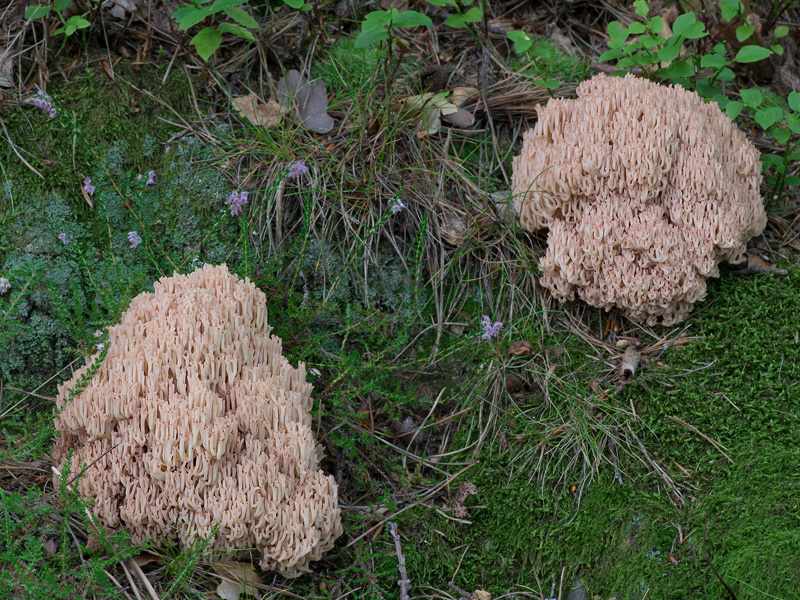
(640, 47)
(69, 26)
(378, 24)
(208, 39)
(461, 19)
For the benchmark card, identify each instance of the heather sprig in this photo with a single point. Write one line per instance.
(236, 202)
(45, 102)
(135, 239)
(297, 169)
(5, 285)
(490, 330)
(87, 186)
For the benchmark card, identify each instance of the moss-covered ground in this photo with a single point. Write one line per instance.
(533, 527)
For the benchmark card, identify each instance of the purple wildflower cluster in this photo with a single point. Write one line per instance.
(151, 178)
(45, 102)
(396, 205)
(5, 285)
(490, 330)
(236, 201)
(135, 239)
(64, 239)
(87, 186)
(297, 169)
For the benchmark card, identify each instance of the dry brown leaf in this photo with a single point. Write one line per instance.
(237, 578)
(521, 348)
(758, 263)
(309, 98)
(464, 490)
(462, 94)
(50, 546)
(460, 118)
(107, 68)
(452, 227)
(6, 68)
(260, 114)
(514, 383)
(406, 432)
(145, 558)
(400, 5)
(481, 595)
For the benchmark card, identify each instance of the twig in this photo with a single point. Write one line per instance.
(404, 582)
(714, 443)
(731, 595)
(754, 269)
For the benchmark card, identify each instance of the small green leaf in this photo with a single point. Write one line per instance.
(617, 32)
(730, 9)
(794, 101)
(688, 26)
(777, 49)
(442, 2)
(744, 31)
(651, 41)
(781, 31)
(681, 68)
(713, 61)
(733, 108)
(792, 180)
(767, 116)
(455, 21)
(193, 17)
(550, 84)
(522, 41)
(641, 8)
(411, 18)
(295, 4)
(223, 4)
(36, 12)
(753, 53)
(378, 17)
(60, 5)
(370, 36)
(655, 25)
(726, 75)
(669, 52)
(751, 98)
(770, 160)
(612, 54)
(780, 134)
(206, 42)
(473, 15)
(242, 17)
(236, 30)
(636, 28)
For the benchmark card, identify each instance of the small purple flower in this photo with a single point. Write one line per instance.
(236, 202)
(87, 186)
(45, 102)
(297, 169)
(396, 205)
(99, 347)
(5, 285)
(63, 238)
(151, 175)
(490, 330)
(135, 239)
(139, 177)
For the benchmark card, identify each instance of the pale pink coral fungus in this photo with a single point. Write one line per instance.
(644, 188)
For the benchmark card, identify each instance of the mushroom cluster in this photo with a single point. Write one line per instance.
(195, 426)
(644, 188)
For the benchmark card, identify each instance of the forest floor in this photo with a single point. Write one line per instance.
(519, 466)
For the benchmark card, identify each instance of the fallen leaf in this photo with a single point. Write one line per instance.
(400, 5)
(6, 68)
(514, 383)
(521, 348)
(627, 367)
(237, 578)
(481, 595)
(453, 227)
(309, 98)
(462, 94)
(406, 432)
(119, 8)
(464, 490)
(259, 113)
(50, 546)
(107, 68)
(145, 558)
(460, 118)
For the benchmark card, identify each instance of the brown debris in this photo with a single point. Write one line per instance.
(644, 189)
(465, 490)
(196, 421)
(627, 367)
